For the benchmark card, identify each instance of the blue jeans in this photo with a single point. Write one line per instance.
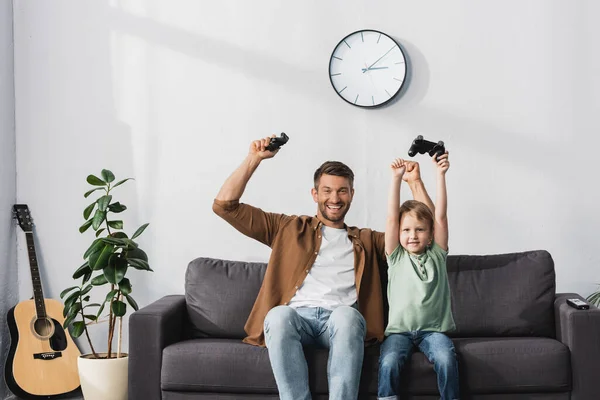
(397, 349)
(342, 331)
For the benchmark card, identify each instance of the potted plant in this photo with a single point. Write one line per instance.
(107, 261)
(594, 298)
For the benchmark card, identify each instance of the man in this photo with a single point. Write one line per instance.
(322, 284)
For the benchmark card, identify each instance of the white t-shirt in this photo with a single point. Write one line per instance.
(330, 282)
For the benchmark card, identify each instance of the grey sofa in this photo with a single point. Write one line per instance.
(515, 339)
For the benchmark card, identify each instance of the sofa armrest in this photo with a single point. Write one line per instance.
(151, 329)
(580, 331)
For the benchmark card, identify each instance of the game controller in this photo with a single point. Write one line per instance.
(422, 146)
(276, 142)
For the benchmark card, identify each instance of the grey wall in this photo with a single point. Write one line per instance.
(8, 268)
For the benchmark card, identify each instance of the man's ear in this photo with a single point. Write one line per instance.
(314, 193)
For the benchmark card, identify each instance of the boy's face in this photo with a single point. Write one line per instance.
(333, 198)
(415, 234)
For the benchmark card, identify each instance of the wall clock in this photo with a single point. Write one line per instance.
(367, 68)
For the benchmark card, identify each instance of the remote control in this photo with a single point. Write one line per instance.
(276, 142)
(578, 304)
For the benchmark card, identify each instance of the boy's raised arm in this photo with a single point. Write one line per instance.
(440, 232)
(413, 178)
(392, 225)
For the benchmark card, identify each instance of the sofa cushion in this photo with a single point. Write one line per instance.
(219, 296)
(503, 294)
(486, 365)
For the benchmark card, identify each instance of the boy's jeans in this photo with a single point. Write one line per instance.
(397, 349)
(342, 331)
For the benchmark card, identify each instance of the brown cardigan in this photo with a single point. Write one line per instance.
(295, 243)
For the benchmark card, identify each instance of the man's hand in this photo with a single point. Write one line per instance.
(257, 148)
(412, 172)
(442, 163)
(398, 167)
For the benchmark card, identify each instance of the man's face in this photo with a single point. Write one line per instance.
(333, 197)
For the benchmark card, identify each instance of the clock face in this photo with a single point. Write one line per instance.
(367, 68)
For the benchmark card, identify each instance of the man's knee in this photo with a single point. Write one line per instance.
(279, 321)
(348, 319)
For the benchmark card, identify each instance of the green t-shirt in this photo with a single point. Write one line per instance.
(418, 291)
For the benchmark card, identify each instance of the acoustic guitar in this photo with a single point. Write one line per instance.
(42, 361)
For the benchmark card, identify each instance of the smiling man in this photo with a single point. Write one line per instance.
(321, 286)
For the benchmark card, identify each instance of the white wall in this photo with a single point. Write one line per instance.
(8, 265)
(172, 93)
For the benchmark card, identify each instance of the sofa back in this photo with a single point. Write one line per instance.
(492, 295)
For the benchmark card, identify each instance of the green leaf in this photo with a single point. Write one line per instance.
(73, 310)
(117, 207)
(119, 235)
(90, 316)
(99, 217)
(86, 277)
(86, 298)
(107, 176)
(119, 308)
(111, 294)
(69, 304)
(68, 321)
(67, 290)
(94, 180)
(103, 202)
(95, 247)
(86, 195)
(84, 269)
(139, 264)
(77, 329)
(139, 231)
(101, 260)
(72, 298)
(125, 286)
(115, 241)
(100, 309)
(115, 270)
(86, 290)
(132, 302)
(99, 280)
(92, 305)
(85, 226)
(99, 231)
(137, 253)
(116, 224)
(121, 182)
(88, 210)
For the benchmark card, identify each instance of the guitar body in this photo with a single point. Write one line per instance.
(42, 362)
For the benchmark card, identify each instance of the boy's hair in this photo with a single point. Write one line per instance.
(422, 212)
(334, 168)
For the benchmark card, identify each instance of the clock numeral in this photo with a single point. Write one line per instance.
(347, 44)
(337, 58)
(356, 99)
(401, 62)
(342, 89)
(388, 93)
(339, 73)
(399, 80)
(379, 38)
(362, 37)
(373, 100)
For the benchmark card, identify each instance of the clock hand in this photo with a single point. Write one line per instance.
(369, 67)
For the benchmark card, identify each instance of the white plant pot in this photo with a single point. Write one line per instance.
(103, 378)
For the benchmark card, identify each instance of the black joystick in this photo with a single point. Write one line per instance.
(422, 146)
(277, 142)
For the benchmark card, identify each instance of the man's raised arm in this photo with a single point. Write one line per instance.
(234, 186)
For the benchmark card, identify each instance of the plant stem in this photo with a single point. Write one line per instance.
(86, 331)
(120, 332)
(111, 324)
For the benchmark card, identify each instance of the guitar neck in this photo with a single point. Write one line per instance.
(38, 293)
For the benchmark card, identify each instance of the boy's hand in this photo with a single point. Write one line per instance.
(412, 172)
(257, 148)
(442, 163)
(398, 167)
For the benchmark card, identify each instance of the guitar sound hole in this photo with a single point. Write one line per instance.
(43, 327)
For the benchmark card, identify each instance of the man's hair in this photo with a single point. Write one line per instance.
(334, 168)
(422, 212)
